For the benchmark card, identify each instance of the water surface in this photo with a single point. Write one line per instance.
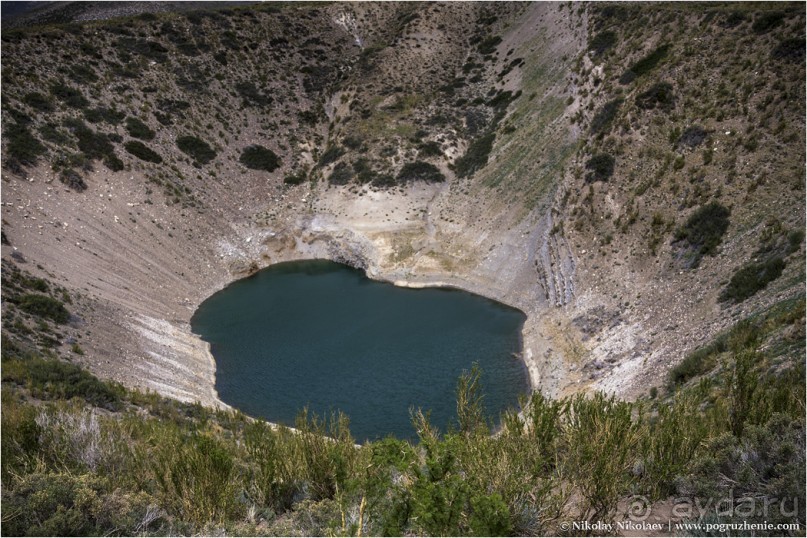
(323, 335)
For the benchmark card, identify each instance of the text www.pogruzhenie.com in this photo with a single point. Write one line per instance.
(677, 526)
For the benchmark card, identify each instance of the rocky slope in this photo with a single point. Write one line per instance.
(554, 157)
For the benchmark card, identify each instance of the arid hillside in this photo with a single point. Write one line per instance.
(630, 176)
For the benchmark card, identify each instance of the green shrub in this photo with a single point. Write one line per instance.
(765, 466)
(22, 147)
(767, 21)
(143, 152)
(277, 474)
(198, 479)
(600, 167)
(659, 94)
(342, 174)
(645, 65)
(733, 19)
(108, 115)
(51, 379)
(44, 307)
(51, 133)
(143, 47)
(430, 149)
(251, 95)
(601, 437)
(602, 42)
(82, 74)
(692, 136)
(196, 148)
(693, 365)
(420, 171)
(73, 179)
(64, 504)
(476, 156)
(789, 50)
(38, 102)
(295, 179)
(72, 97)
(330, 155)
(260, 158)
(752, 278)
(488, 46)
(704, 231)
(138, 129)
(92, 144)
(602, 120)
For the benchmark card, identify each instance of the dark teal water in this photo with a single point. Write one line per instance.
(323, 335)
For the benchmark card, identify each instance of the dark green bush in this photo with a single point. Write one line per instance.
(260, 158)
(73, 179)
(49, 379)
(53, 505)
(113, 163)
(21, 146)
(251, 95)
(295, 179)
(693, 365)
(430, 149)
(733, 19)
(138, 129)
(44, 307)
(420, 171)
(645, 65)
(602, 42)
(659, 94)
(764, 464)
(752, 278)
(353, 142)
(92, 144)
(38, 101)
(704, 231)
(342, 174)
(330, 155)
(143, 152)
(488, 46)
(143, 47)
(692, 136)
(383, 181)
(196, 148)
(602, 120)
(476, 156)
(789, 50)
(765, 22)
(72, 97)
(108, 115)
(82, 74)
(364, 170)
(600, 167)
